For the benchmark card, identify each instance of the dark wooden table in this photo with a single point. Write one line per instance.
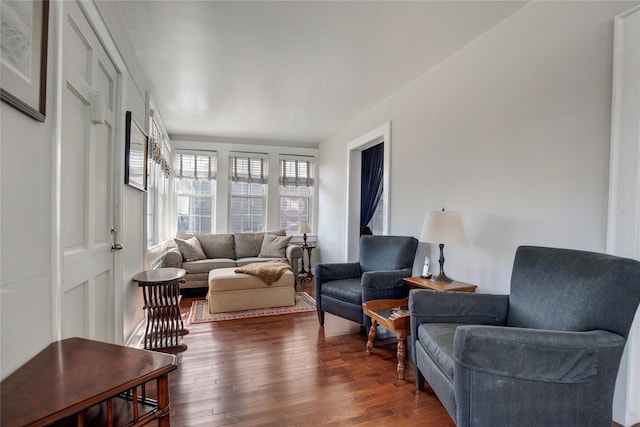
(306, 274)
(161, 291)
(89, 381)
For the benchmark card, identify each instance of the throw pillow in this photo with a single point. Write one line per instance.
(190, 249)
(274, 246)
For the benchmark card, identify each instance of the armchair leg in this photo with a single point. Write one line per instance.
(420, 380)
(321, 317)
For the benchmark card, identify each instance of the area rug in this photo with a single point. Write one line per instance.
(200, 310)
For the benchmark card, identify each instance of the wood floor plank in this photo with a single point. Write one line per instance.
(289, 371)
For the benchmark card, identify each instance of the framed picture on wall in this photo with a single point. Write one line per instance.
(136, 149)
(24, 38)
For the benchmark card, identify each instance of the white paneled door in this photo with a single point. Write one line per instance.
(86, 195)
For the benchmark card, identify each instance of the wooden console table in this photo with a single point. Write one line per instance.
(91, 383)
(161, 291)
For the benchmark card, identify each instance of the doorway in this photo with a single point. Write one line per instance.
(381, 134)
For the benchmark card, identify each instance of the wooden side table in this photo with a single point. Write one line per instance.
(455, 286)
(161, 291)
(380, 313)
(304, 274)
(90, 383)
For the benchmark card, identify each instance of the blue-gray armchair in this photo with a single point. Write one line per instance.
(341, 288)
(545, 355)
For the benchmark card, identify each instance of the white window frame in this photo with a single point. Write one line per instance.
(210, 175)
(273, 153)
(158, 195)
(296, 178)
(260, 179)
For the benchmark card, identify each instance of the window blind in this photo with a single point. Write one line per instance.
(197, 166)
(249, 169)
(296, 171)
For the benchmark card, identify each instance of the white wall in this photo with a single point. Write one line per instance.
(513, 130)
(25, 221)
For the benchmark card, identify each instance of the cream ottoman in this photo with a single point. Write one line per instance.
(231, 291)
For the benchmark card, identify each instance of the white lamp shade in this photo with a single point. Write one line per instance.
(442, 227)
(304, 227)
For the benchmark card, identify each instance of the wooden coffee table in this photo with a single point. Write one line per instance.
(380, 312)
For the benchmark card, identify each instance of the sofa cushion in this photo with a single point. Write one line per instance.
(213, 245)
(274, 246)
(206, 265)
(217, 245)
(437, 341)
(247, 244)
(190, 249)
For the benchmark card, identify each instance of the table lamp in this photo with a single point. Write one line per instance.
(442, 227)
(304, 229)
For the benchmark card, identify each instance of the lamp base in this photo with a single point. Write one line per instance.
(441, 278)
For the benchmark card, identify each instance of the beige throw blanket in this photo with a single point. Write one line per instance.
(269, 271)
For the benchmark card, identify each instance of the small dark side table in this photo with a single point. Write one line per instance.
(161, 291)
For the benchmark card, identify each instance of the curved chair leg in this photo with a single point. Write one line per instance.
(321, 317)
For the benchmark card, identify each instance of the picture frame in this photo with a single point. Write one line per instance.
(23, 55)
(136, 152)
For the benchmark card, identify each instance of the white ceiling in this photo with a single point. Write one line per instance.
(291, 71)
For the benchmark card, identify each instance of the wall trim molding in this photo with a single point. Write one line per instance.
(623, 222)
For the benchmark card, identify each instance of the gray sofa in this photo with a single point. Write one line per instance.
(228, 250)
(545, 355)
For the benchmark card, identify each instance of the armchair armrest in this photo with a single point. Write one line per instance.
(172, 258)
(428, 306)
(336, 271)
(385, 284)
(506, 373)
(531, 354)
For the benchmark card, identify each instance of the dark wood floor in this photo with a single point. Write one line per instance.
(289, 371)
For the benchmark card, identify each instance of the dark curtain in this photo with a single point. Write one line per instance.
(371, 182)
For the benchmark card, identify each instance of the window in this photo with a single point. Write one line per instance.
(159, 171)
(296, 191)
(248, 179)
(195, 191)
